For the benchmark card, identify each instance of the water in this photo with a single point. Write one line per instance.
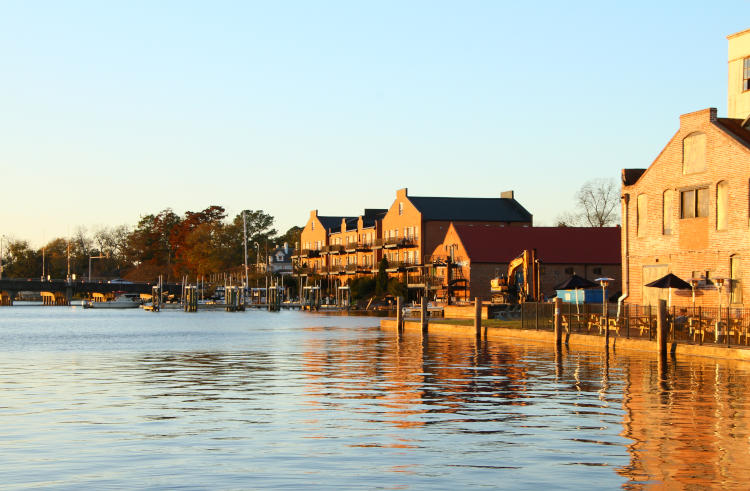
(129, 399)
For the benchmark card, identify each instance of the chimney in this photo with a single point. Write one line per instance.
(507, 194)
(402, 193)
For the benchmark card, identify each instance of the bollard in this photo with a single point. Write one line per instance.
(423, 312)
(661, 328)
(558, 323)
(478, 316)
(399, 315)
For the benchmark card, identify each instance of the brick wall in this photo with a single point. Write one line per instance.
(695, 244)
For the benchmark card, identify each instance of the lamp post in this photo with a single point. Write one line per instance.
(257, 262)
(693, 284)
(95, 257)
(604, 282)
(719, 282)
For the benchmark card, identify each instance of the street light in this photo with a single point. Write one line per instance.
(604, 282)
(694, 282)
(719, 282)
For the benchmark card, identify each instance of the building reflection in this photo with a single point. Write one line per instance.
(688, 421)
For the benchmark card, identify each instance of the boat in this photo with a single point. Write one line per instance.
(121, 301)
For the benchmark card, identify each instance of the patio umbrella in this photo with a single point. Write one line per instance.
(670, 281)
(576, 282)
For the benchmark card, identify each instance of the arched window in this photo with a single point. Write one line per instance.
(722, 205)
(668, 198)
(735, 273)
(694, 153)
(642, 215)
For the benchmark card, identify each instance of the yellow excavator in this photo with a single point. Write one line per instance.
(522, 282)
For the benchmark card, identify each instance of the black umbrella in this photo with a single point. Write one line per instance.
(670, 281)
(575, 282)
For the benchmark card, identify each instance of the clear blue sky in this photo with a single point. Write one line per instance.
(113, 110)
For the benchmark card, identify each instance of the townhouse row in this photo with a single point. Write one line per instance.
(449, 248)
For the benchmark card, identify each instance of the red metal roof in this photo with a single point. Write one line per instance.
(554, 245)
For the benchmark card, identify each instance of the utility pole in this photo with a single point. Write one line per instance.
(1, 256)
(244, 243)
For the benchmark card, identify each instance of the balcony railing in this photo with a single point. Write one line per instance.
(351, 268)
(442, 260)
(364, 246)
(309, 253)
(332, 249)
(396, 242)
(397, 265)
(377, 244)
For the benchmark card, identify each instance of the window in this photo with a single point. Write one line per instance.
(694, 203)
(746, 74)
(722, 203)
(694, 153)
(735, 275)
(568, 270)
(666, 220)
(312, 225)
(400, 208)
(597, 270)
(642, 212)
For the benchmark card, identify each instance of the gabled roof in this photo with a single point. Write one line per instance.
(554, 245)
(464, 209)
(734, 128)
(334, 223)
(372, 215)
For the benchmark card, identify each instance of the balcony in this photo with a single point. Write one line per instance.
(421, 281)
(442, 260)
(364, 246)
(351, 268)
(377, 244)
(397, 266)
(332, 249)
(350, 247)
(399, 242)
(309, 253)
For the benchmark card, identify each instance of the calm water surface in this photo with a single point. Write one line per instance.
(130, 399)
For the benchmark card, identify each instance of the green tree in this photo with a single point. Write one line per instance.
(381, 281)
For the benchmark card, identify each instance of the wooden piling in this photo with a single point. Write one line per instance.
(558, 322)
(423, 312)
(399, 315)
(478, 316)
(661, 328)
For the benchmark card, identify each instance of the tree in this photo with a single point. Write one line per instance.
(291, 237)
(381, 281)
(597, 205)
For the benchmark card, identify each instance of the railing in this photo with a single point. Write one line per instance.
(333, 248)
(392, 242)
(351, 268)
(395, 265)
(725, 326)
(425, 279)
(309, 253)
(442, 259)
(377, 243)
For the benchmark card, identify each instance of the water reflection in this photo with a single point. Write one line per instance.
(330, 402)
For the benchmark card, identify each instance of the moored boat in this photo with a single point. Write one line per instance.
(122, 301)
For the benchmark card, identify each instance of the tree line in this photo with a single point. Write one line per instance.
(196, 244)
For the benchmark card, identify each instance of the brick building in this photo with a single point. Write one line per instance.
(481, 253)
(342, 248)
(689, 212)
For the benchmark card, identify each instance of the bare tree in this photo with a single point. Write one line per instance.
(597, 205)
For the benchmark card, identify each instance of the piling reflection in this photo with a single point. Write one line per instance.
(686, 421)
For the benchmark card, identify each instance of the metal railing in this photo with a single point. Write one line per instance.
(725, 326)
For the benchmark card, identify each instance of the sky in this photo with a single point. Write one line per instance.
(110, 111)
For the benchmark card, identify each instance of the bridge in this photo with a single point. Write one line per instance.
(59, 292)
